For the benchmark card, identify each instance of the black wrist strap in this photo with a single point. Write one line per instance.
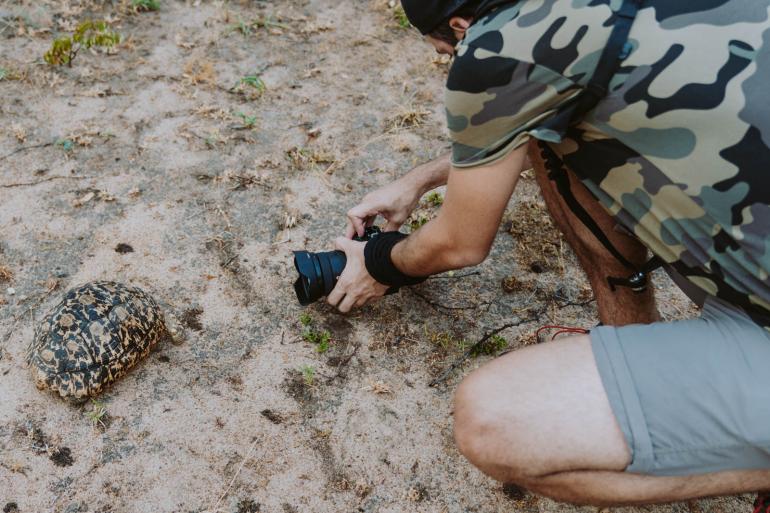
(380, 265)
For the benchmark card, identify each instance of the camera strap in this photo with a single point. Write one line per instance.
(618, 47)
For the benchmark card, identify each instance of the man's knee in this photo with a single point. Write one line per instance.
(487, 434)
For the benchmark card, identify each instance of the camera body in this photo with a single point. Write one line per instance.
(319, 272)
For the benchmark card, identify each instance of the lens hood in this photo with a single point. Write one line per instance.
(307, 287)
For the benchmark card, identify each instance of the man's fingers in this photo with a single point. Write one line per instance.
(355, 226)
(350, 230)
(347, 304)
(358, 223)
(358, 216)
(336, 295)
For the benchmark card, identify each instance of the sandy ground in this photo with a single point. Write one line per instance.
(211, 186)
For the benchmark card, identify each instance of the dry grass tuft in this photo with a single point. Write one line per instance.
(199, 71)
(540, 245)
(407, 117)
(5, 274)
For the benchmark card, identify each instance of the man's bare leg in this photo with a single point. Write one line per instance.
(539, 417)
(615, 308)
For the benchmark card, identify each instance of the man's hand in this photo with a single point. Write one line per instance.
(394, 202)
(355, 286)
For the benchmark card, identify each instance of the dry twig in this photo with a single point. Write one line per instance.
(50, 178)
(25, 148)
(237, 473)
(439, 305)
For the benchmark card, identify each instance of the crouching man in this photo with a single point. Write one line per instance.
(671, 158)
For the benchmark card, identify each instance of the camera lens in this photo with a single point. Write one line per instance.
(318, 273)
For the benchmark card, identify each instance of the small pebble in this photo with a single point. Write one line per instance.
(11, 291)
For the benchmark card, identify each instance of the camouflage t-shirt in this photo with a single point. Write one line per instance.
(679, 150)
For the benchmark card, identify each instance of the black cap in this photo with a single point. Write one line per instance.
(426, 15)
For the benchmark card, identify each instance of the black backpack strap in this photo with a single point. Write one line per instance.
(637, 281)
(615, 50)
(558, 174)
(597, 88)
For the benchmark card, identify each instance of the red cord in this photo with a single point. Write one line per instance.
(562, 329)
(580, 331)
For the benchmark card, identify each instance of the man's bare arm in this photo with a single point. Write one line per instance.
(468, 221)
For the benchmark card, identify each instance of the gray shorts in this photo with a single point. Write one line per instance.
(691, 396)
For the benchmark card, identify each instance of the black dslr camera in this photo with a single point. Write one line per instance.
(318, 272)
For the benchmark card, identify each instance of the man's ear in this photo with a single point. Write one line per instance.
(460, 24)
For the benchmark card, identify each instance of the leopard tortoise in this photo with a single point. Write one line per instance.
(94, 336)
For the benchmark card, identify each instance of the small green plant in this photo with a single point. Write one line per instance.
(98, 414)
(491, 346)
(323, 341)
(66, 144)
(445, 340)
(310, 335)
(401, 19)
(246, 28)
(248, 121)
(242, 26)
(435, 199)
(308, 374)
(252, 81)
(146, 5)
(9, 74)
(88, 34)
(321, 338)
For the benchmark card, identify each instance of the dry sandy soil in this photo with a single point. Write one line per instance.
(158, 145)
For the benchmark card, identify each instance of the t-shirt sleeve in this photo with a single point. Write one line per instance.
(495, 103)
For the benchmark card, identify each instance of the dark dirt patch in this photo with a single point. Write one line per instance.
(124, 248)
(274, 417)
(339, 327)
(62, 457)
(522, 500)
(248, 506)
(11, 507)
(334, 473)
(163, 358)
(236, 383)
(514, 492)
(298, 388)
(191, 318)
(288, 508)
